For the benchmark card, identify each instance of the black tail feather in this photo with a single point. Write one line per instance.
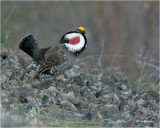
(28, 44)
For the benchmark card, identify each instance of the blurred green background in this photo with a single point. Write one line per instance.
(125, 28)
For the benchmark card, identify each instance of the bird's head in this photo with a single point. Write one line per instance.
(75, 41)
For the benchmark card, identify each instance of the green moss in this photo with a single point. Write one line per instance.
(20, 112)
(49, 120)
(144, 85)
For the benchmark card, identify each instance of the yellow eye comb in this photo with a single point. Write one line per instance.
(81, 29)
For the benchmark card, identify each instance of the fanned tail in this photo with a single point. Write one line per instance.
(28, 44)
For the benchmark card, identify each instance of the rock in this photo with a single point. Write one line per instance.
(44, 100)
(72, 88)
(52, 89)
(31, 99)
(89, 115)
(42, 85)
(86, 92)
(93, 116)
(70, 97)
(98, 117)
(4, 55)
(32, 74)
(78, 80)
(22, 92)
(65, 104)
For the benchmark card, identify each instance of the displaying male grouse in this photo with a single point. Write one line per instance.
(55, 60)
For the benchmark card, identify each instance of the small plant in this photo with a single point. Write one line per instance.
(34, 113)
(145, 62)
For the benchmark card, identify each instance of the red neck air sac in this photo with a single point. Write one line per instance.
(74, 40)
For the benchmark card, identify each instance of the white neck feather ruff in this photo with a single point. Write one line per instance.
(76, 47)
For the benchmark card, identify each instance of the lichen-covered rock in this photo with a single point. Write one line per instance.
(70, 97)
(141, 109)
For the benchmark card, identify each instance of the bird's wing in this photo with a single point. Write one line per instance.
(53, 57)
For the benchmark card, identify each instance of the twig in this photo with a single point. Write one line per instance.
(100, 57)
(10, 13)
(146, 60)
(153, 66)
